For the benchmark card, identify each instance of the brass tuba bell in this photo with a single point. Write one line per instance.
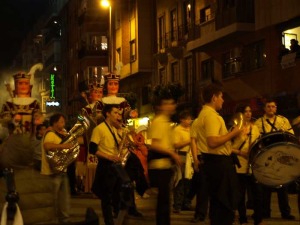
(59, 160)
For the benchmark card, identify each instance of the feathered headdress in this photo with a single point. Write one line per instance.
(168, 91)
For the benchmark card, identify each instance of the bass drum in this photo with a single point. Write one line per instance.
(275, 159)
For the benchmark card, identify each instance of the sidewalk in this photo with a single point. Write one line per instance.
(147, 207)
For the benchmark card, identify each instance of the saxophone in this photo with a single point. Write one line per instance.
(59, 160)
(126, 145)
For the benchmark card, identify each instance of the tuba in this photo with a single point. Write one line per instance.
(59, 160)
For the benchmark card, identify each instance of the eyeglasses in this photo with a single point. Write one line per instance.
(271, 106)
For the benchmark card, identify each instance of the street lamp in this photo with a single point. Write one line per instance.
(107, 4)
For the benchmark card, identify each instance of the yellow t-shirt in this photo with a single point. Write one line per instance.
(181, 134)
(209, 123)
(50, 137)
(161, 130)
(104, 139)
(281, 124)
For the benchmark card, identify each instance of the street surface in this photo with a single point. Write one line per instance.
(147, 207)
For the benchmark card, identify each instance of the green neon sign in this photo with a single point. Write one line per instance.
(52, 86)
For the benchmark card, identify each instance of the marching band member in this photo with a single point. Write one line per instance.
(241, 146)
(162, 156)
(270, 122)
(105, 145)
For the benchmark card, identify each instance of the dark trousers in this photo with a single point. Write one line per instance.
(162, 180)
(248, 183)
(71, 171)
(199, 187)
(180, 192)
(223, 188)
(283, 200)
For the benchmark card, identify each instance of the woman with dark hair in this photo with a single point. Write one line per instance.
(241, 145)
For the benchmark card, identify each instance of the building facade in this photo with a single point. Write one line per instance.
(235, 42)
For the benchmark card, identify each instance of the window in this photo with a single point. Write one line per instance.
(232, 62)
(187, 20)
(254, 57)
(98, 42)
(132, 51)
(173, 16)
(206, 14)
(207, 69)
(175, 72)
(161, 32)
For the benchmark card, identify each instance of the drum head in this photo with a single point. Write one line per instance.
(277, 165)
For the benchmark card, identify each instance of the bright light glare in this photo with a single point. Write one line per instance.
(105, 3)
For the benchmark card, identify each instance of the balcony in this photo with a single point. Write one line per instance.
(92, 51)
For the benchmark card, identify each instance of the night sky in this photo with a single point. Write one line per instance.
(16, 18)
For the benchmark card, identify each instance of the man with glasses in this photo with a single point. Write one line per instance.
(271, 122)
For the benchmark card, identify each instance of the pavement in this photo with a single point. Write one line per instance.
(146, 206)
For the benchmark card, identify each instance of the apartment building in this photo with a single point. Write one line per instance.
(236, 42)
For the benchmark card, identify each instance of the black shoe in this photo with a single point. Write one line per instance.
(135, 213)
(197, 219)
(288, 217)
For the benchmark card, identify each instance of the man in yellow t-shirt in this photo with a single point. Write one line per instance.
(213, 138)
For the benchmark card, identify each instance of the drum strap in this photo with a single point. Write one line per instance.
(248, 138)
(271, 124)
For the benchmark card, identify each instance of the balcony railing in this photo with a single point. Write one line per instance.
(92, 50)
(180, 36)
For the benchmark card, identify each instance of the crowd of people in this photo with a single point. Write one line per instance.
(200, 158)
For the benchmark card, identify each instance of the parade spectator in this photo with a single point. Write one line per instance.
(295, 47)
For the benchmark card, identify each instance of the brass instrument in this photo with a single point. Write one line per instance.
(59, 160)
(237, 120)
(126, 146)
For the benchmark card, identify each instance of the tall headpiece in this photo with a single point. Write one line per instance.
(21, 75)
(111, 76)
(30, 75)
(95, 83)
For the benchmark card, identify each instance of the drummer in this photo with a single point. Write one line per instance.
(271, 122)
